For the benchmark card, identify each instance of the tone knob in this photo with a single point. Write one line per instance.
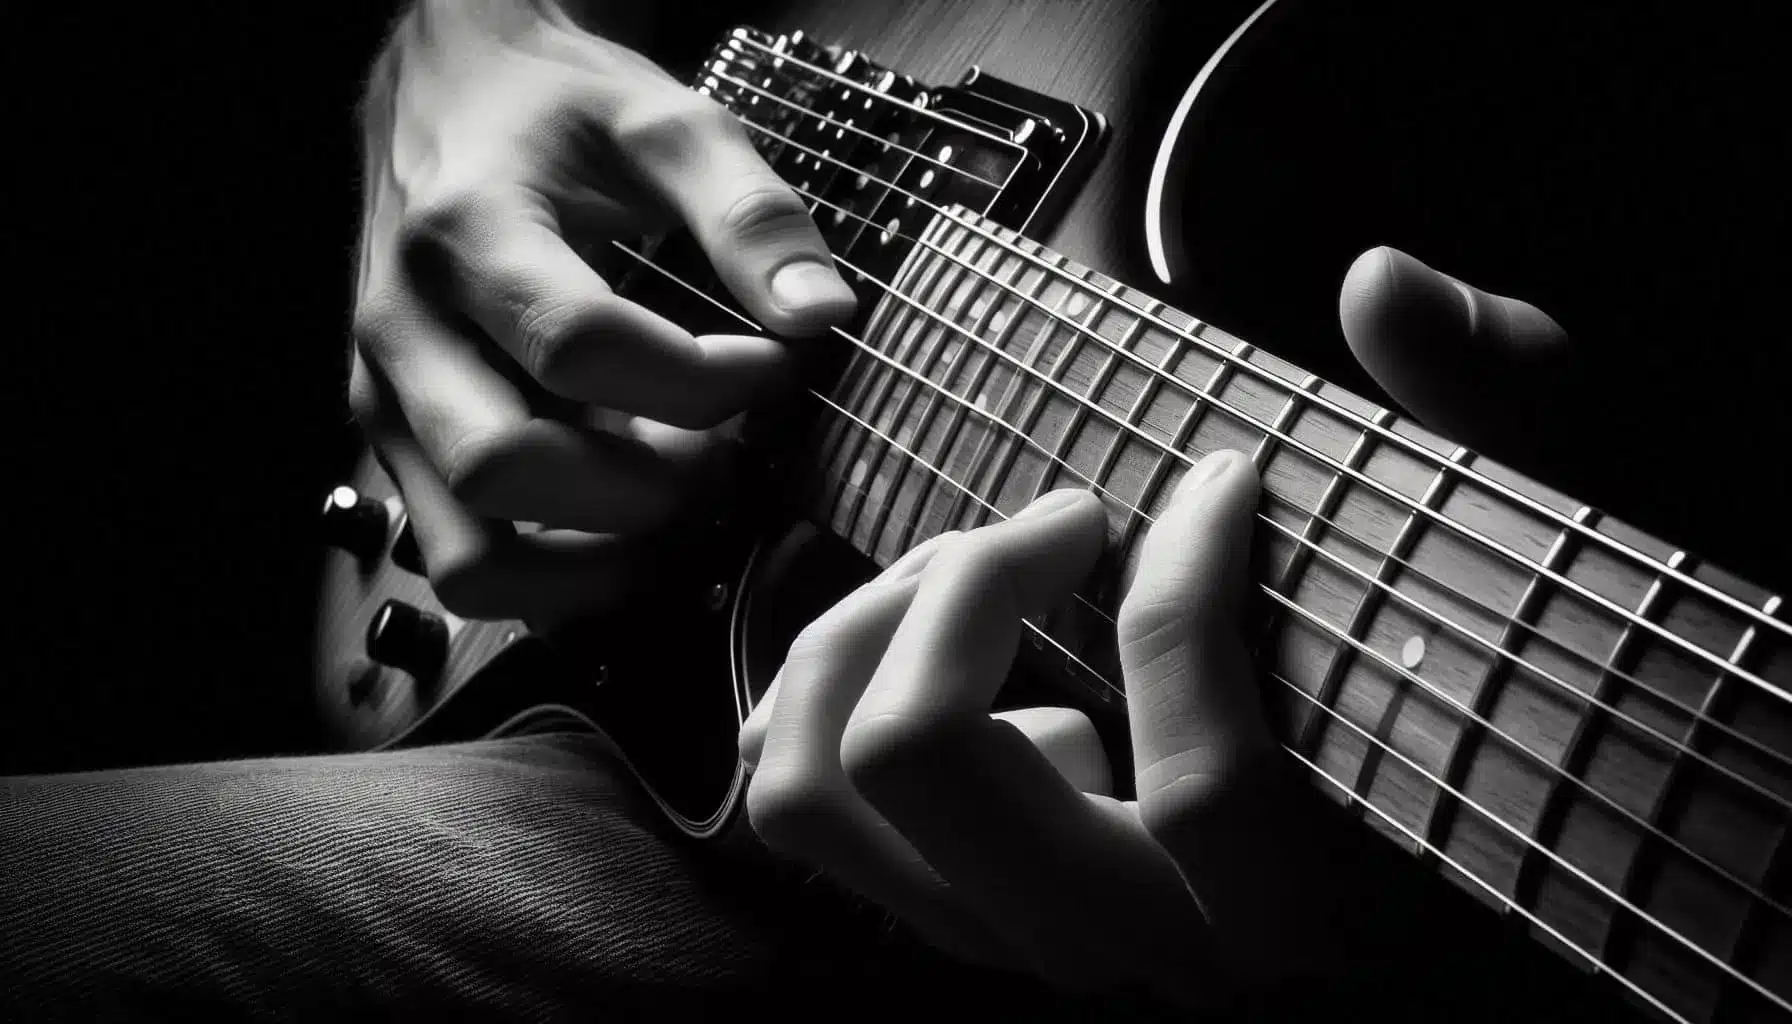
(409, 638)
(405, 552)
(354, 523)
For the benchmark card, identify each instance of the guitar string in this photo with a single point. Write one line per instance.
(1600, 965)
(1698, 714)
(1443, 463)
(849, 125)
(1521, 561)
(1387, 746)
(739, 35)
(1324, 627)
(1349, 793)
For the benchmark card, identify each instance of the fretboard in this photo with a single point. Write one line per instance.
(1463, 653)
(1584, 726)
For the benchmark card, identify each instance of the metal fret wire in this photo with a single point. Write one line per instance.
(1443, 463)
(1419, 606)
(1616, 898)
(1605, 666)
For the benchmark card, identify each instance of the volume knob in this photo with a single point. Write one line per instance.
(409, 638)
(354, 523)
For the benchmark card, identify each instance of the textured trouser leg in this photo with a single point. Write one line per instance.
(522, 878)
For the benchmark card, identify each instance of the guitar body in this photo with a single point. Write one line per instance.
(1282, 103)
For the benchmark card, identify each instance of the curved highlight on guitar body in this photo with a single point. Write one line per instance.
(1169, 171)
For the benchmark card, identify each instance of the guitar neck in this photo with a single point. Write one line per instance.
(1585, 727)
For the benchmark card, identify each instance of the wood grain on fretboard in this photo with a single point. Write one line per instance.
(1532, 736)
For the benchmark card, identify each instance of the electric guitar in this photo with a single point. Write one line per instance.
(1584, 727)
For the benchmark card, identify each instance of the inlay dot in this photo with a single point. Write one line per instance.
(1078, 302)
(862, 181)
(926, 178)
(1413, 652)
(945, 153)
(895, 223)
(997, 319)
(839, 215)
(860, 470)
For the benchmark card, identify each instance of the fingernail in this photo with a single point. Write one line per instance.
(807, 285)
(1051, 502)
(1211, 466)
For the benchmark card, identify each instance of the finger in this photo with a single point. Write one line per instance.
(1202, 750)
(503, 263)
(1067, 739)
(1084, 895)
(480, 568)
(1483, 369)
(494, 453)
(755, 229)
(799, 801)
(752, 731)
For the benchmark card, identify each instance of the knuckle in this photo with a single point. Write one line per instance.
(547, 332)
(461, 581)
(875, 750)
(788, 807)
(765, 210)
(1192, 804)
(471, 461)
(672, 126)
(430, 231)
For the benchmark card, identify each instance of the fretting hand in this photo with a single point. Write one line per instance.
(484, 343)
(878, 761)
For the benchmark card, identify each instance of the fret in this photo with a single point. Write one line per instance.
(972, 292)
(952, 281)
(1341, 665)
(950, 445)
(996, 270)
(997, 477)
(1147, 416)
(1313, 530)
(1553, 735)
(995, 446)
(904, 328)
(1509, 644)
(1126, 465)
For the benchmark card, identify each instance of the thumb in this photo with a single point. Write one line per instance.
(1484, 369)
(755, 229)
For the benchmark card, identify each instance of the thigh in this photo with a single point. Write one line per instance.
(523, 877)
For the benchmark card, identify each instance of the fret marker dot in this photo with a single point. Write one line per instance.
(839, 215)
(860, 470)
(945, 153)
(867, 103)
(1078, 302)
(926, 178)
(1413, 652)
(752, 101)
(862, 181)
(895, 223)
(997, 319)
(767, 83)
(983, 400)
(800, 158)
(839, 133)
